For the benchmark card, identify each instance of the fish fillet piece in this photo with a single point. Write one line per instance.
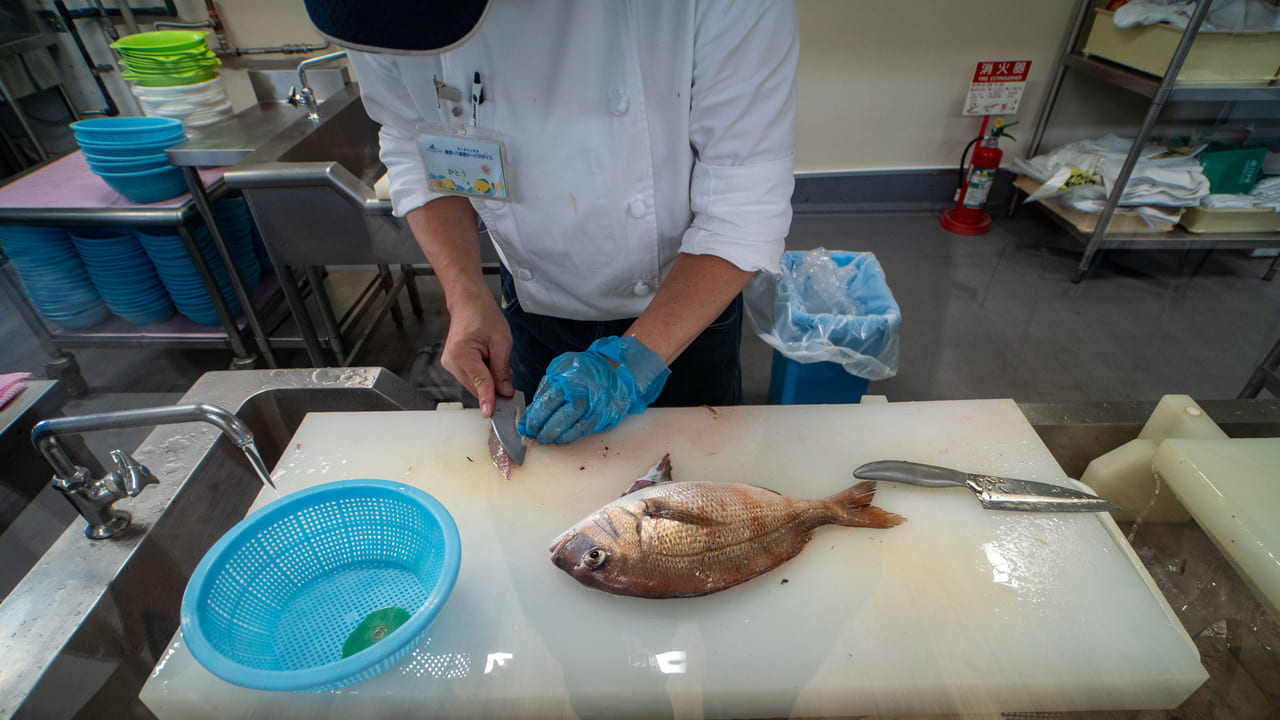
(498, 454)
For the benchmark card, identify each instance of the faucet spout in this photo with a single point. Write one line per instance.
(303, 95)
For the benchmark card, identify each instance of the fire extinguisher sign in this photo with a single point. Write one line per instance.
(997, 87)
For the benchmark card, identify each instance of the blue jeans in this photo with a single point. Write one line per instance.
(708, 372)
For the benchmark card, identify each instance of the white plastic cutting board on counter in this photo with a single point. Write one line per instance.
(959, 610)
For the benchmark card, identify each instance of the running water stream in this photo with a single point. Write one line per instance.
(259, 467)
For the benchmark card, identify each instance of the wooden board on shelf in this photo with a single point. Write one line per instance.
(1231, 220)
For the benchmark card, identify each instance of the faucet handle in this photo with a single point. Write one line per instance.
(294, 98)
(132, 475)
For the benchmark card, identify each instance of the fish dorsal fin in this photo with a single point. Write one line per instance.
(663, 508)
(659, 473)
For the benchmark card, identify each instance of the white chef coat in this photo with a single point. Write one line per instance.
(634, 131)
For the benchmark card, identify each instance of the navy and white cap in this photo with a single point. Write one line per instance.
(418, 27)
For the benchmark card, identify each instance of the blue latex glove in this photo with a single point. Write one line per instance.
(583, 392)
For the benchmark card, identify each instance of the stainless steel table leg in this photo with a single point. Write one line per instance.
(23, 121)
(292, 296)
(243, 358)
(1264, 376)
(205, 209)
(58, 365)
(316, 279)
(1271, 271)
(66, 100)
(389, 288)
(411, 285)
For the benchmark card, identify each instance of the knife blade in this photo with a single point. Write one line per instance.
(994, 492)
(506, 415)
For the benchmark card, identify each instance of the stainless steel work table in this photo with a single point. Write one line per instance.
(264, 129)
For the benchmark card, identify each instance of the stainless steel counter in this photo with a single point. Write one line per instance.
(225, 143)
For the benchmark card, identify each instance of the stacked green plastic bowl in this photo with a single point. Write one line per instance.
(167, 58)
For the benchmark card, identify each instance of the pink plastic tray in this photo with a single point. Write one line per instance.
(68, 184)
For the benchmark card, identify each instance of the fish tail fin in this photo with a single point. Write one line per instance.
(854, 508)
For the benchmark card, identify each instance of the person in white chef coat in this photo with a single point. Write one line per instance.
(632, 163)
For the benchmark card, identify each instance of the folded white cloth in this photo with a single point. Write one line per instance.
(12, 385)
(1265, 195)
(1222, 201)
(1224, 15)
(1149, 12)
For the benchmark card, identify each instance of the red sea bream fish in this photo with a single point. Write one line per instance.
(665, 539)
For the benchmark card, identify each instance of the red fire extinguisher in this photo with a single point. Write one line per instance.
(967, 217)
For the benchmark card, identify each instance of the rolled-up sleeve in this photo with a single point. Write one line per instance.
(388, 102)
(742, 129)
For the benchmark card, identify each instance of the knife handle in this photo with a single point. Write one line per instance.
(911, 473)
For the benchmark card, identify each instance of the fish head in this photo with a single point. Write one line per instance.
(598, 552)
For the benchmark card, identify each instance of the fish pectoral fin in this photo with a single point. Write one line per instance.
(637, 485)
(660, 508)
(659, 473)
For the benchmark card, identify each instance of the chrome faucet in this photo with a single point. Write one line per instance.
(302, 95)
(93, 498)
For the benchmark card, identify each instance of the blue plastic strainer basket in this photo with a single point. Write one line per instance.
(272, 602)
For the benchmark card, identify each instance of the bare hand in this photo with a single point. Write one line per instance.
(477, 350)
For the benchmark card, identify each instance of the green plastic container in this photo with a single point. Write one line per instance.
(175, 80)
(1232, 168)
(162, 42)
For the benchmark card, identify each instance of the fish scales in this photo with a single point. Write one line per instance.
(695, 538)
(756, 531)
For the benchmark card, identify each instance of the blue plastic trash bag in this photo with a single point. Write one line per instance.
(828, 307)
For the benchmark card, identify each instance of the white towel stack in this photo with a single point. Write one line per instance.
(1080, 175)
(1266, 195)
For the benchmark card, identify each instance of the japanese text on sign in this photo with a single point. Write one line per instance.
(996, 88)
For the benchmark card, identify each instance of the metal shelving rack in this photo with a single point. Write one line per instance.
(1161, 91)
(245, 336)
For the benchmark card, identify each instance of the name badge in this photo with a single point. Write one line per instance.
(464, 160)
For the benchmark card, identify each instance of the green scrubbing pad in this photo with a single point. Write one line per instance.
(376, 626)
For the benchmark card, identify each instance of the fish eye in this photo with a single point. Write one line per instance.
(595, 557)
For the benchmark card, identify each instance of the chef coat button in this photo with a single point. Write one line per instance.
(642, 288)
(637, 207)
(524, 274)
(619, 103)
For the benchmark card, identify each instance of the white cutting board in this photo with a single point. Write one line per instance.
(1232, 488)
(958, 610)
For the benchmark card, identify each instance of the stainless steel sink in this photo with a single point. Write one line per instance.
(84, 629)
(311, 192)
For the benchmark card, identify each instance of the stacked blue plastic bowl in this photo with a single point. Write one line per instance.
(123, 274)
(54, 276)
(128, 153)
(178, 273)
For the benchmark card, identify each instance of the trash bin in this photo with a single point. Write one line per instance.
(832, 322)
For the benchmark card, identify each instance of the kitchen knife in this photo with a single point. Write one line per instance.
(506, 415)
(995, 493)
